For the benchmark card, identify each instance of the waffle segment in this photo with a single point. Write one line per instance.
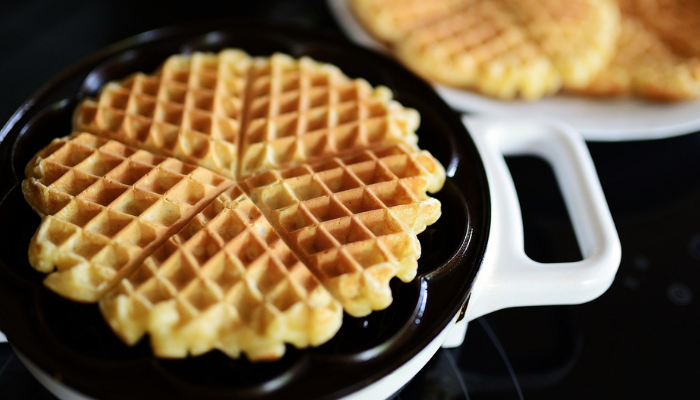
(106, 207)
(225, 281)
(676, 22)
(480, 46)
(389, 20)
(353, 220)
(503, 48)
(301, 110)
(190, 109)
(577, 36)
(647, 66)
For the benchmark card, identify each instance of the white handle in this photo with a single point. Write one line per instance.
(508, 277)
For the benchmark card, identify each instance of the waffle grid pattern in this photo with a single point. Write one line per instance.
(389, 20)
(226, 281)
(300, 110)
(285, 111)
(675, 21)
(354, 220)
(577, 36)
(107, 205)
(646, 65)
(191, 109)
(481, 46)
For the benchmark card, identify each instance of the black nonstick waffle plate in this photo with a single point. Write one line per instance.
(72, 343)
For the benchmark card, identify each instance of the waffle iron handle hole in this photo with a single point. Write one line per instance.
(508, 277)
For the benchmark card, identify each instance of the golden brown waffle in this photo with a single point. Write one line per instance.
(390, 20)
(646, 66)
(353, 220)
(509, 48)
(225, 281)
(107, 207)
(300, 110)
(188, 257)
(191, 109)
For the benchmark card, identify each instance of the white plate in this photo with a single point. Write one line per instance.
(596, 119)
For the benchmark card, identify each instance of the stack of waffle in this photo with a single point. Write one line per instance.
(234, 203)
(533, 48)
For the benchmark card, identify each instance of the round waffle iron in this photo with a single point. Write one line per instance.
(71, 342)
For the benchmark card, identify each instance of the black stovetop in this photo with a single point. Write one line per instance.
(636, 341)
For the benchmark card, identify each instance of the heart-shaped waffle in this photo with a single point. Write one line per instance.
(199, 261)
